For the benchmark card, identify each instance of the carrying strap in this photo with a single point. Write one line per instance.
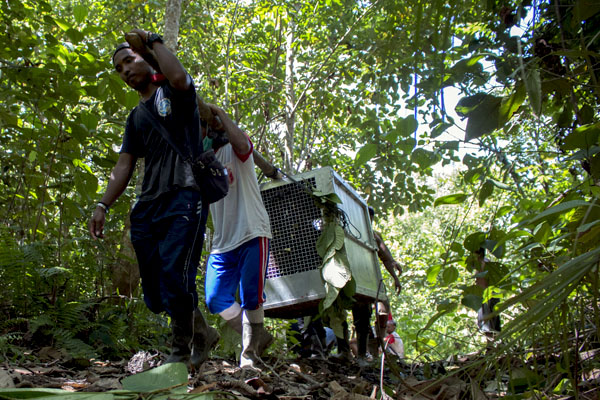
(163, 131)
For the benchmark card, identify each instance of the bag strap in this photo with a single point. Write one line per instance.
(163, 131)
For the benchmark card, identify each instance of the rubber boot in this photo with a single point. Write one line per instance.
(265, 339)
(250, 341)
(204, 339)
(361, 342)
(236, 323)
(181, 328)
(343, 346)
(316, 348)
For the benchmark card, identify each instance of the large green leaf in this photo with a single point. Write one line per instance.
(511, 104)
(54, 394)
(366, 153)
(472, 301)
(325, 240)
(559, 209)
(474, 241)
(167, 376)
(456, 198)
(331, 295)
(484, 118)
(582, 138)
(486, 191)
(336, 271)
(424, 158)
(80, 12)
(433, 272)
(340, 237)
(450, 275)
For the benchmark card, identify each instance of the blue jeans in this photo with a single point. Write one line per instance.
(167, 234)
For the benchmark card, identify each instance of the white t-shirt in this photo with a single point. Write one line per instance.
(395, 344)
(241, 215)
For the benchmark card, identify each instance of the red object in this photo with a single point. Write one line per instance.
(390, 338)
(156, 78)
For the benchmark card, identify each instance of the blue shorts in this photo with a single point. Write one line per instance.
(167, 235)
(244, 268)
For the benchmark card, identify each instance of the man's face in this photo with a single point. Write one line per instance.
(132, 68)
(390, 327)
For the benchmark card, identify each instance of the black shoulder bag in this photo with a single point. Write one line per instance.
(210, 175)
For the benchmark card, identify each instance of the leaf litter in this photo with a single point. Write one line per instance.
(287, 378)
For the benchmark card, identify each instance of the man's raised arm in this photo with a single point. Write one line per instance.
(238, 139)
(168, 64)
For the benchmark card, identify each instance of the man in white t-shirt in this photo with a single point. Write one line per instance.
(240, 247)
(393, 343)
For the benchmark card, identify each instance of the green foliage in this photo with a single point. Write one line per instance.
(167, 381)
(369, 86)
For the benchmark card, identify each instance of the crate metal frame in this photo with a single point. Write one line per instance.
(294, 286)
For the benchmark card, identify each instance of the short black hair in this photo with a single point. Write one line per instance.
(120, 47)
(371, 212)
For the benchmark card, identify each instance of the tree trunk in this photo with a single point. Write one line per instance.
(171, 32)
(290, 96)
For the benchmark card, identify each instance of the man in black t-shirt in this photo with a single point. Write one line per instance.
(168, 219)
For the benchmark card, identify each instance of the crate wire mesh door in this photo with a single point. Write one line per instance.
(295, 225)
(294, 286)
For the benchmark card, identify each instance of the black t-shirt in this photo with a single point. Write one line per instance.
(164, 170)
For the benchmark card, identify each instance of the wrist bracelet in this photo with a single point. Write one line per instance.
(103, 206)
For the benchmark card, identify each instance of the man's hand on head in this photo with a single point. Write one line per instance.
(137, 39)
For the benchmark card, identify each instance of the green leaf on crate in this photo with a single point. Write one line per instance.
(330, 296)
(340, 237)
(327, 237)
(335, 270)
(333, 198)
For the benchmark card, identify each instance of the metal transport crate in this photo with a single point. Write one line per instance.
(294, 286)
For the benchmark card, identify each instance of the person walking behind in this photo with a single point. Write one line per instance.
(240, 247)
